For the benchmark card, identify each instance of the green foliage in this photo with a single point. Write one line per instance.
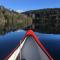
(17, 16)
(9, 20)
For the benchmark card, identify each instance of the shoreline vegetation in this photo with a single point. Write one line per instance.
(11, 20)
(42, 20)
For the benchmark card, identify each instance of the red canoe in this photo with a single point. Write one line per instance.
(30, 48)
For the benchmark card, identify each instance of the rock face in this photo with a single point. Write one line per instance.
(11, 20)
(46, 20)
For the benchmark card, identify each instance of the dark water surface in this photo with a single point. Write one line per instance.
(52, 43)
(10, 40)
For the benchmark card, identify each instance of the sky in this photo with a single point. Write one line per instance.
(25, 5)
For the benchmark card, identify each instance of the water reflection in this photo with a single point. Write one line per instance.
(9, 41)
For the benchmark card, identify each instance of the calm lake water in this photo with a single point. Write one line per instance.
(10, 40)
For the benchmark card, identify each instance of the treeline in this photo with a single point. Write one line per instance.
(11, 20)
(46, 20)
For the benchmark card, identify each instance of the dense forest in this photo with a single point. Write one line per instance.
(11, 20)
(45, 20)
(41, 20)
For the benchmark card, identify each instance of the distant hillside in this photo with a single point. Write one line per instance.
(41, 11)
(45, 20)
(11, 20)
